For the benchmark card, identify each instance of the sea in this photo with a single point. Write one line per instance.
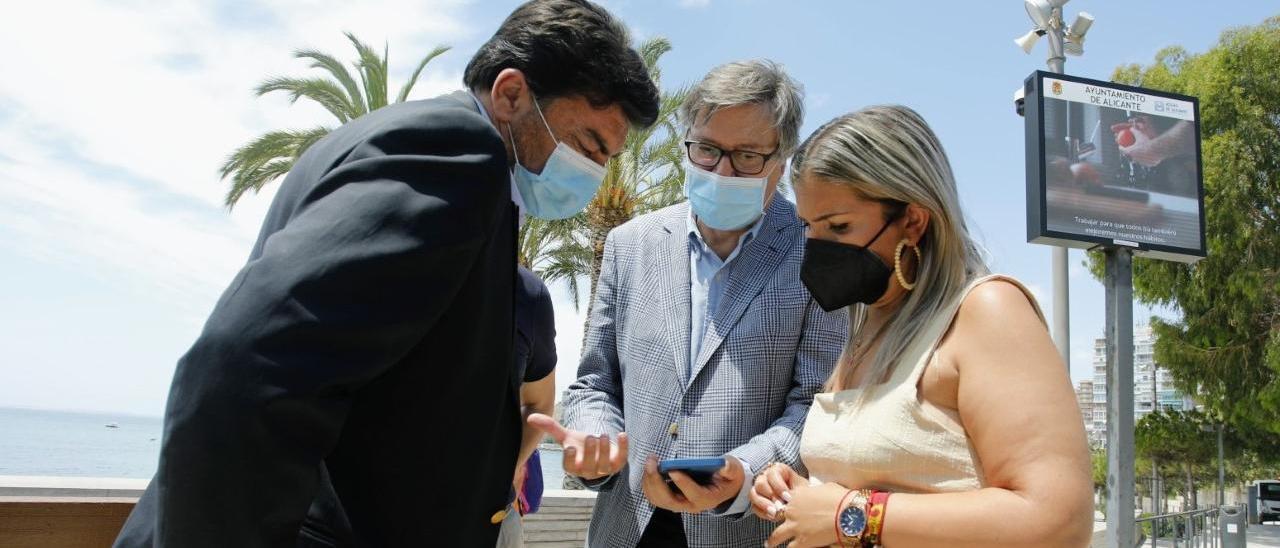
(62, 443)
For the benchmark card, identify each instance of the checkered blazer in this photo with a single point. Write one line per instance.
(767, 350)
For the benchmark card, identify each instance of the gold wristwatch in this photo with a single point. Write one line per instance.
(851, 522)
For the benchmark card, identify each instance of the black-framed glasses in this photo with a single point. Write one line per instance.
(745, 162)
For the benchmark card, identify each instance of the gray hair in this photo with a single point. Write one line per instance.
(890, 155)
(757, 81)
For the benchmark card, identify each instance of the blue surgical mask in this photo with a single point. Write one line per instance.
(566, 185)
(724, 203)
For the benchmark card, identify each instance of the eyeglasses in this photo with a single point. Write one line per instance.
(745, 162)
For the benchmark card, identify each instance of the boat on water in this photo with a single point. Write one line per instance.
(112, 425)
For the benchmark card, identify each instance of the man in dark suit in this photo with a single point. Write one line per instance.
(354, 384)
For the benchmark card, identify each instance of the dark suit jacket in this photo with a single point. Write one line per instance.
(353, 385)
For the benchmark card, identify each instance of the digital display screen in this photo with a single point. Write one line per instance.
(1113, 165)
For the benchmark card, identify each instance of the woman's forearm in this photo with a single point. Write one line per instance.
(987, 517)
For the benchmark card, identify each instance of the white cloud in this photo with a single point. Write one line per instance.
(65, 216)
(125, 110)
(695, 3)
(114, 119)
(167, 93)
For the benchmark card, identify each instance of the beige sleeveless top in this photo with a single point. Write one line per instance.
(896, 441)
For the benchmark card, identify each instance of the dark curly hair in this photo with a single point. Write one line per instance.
(569, 47)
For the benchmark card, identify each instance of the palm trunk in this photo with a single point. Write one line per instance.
(602, 219)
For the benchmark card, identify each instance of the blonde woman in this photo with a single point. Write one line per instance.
(950, 419)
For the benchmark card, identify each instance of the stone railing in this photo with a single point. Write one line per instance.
(60, 512)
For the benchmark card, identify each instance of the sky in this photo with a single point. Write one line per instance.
(116, 115)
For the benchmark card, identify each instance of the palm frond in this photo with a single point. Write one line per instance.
(271, 155)
(331, 64)
(325, 92)
(413, 79)
(307, 137)
(259, 151)
(570, 261)
(258, 177)
(667, 190)
(265, 159)
(669, 109)
(650, 51)
(373, 73)
(531, 243)
(537, 238)
(556, 250)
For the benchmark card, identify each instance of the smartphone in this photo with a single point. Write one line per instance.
(701, 470)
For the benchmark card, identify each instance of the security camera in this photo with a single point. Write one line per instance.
(1020, 100)
(1041, 10)
(1075, 34)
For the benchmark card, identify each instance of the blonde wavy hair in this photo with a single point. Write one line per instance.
(890, 155)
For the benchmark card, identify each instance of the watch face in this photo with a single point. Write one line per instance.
(852, 521)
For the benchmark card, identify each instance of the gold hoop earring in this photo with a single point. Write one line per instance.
(897, 264)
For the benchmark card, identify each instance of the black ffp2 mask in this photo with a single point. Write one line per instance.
(839, 275)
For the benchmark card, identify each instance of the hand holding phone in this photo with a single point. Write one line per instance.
(701, 470)
(692, 485)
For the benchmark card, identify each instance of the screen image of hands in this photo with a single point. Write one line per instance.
(1140, 139)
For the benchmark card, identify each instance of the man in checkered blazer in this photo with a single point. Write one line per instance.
(702, 341)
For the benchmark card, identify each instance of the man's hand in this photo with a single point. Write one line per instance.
(692, 498)
(585, 456)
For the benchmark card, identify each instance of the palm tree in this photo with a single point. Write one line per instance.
(647, 175)
(272, 155)
(555, 250)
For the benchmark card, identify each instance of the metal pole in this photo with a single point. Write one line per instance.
(1120, 450)
(1061, 305)
(1055, 34)
(1222, 474)
(1154, 402)
(1061, 291)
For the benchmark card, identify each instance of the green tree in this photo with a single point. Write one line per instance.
(1098, 466)
(1179, 445)
(646, 175)
(272, 154)
(1226, 346)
